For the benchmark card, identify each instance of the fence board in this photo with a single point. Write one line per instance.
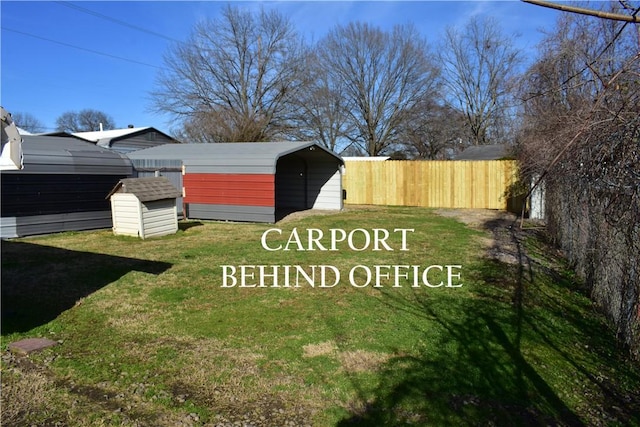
(435, 184)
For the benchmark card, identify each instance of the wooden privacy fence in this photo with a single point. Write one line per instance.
(433, 183)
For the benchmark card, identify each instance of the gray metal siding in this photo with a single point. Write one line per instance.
(39, 194)
(231, 213)
(228, 165)
(324, 186)
(8, 227)
(140, 142)
(152, 165)
(45, 224)
(62, 187)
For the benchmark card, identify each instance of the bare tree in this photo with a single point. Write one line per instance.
(234, 78)
(479, 63)
(380, 75)
(28, 122)
(86, 120)
(322, 109)
(433, 131)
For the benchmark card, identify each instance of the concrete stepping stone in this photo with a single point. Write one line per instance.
(29, 345)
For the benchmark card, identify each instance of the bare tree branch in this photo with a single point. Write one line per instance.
(583, 11)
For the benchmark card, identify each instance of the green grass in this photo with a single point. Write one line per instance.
(148, 335)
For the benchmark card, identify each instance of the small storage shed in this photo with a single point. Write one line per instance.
(60, 188)
(259, 182)
(144, 207)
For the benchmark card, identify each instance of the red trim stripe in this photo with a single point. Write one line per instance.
(229, 189)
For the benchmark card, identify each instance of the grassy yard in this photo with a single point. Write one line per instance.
(149, 336)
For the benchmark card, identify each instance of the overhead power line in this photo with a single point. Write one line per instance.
(114, 20)
(81, 48)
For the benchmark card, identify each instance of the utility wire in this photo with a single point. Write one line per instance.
(81, 48)
(117, 21)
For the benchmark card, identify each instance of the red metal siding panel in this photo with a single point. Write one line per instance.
(229, 189)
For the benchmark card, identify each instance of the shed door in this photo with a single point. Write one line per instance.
(291, 183)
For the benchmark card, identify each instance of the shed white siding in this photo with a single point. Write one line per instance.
(127, 217)
(160, 217)
(143, 219)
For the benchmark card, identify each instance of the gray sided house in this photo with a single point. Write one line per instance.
(258, 182)
(62, 187)
(144, 207)
(127, 140)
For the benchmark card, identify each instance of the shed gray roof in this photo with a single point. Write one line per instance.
(147, 189)
(485, 152)
(62, 155)
(258, 155)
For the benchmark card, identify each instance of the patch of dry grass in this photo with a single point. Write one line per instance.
(23, 394)
(350, 360)
(326, 348)
(361, 360)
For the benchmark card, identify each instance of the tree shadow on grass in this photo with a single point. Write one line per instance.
(40, 282)
(487, 366)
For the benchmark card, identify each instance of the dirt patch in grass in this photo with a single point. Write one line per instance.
(476, 218)
(500, 244)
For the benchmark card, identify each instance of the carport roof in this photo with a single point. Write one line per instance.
(63, 155)
(262, 155)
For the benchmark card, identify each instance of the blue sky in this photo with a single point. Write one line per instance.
(47, 78)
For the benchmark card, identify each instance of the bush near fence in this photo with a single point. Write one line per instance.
(432, 183)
